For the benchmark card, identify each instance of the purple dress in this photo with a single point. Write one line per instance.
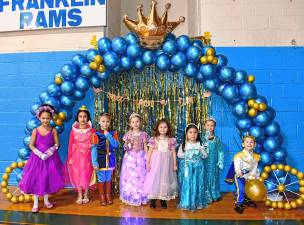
(133, 170)
(42, 177)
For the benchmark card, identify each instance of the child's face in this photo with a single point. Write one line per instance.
(210, 126)
(163, 129)
(45, 118)
(135, 123)
(104, 122)
(192, 134)
(248, 144)
(82, 118)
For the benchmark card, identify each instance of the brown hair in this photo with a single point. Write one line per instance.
(250, 137)
(105, 114)
(155, 129)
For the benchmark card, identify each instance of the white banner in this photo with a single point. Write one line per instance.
(18, 15)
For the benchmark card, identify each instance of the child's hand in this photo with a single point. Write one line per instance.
(44, 156)
(174, 168)
(105, 131)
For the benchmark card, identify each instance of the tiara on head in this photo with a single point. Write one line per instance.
(135, 115)
(45, 108)
(247, 135)
(210, 118)
(83, 108)
(192, 124)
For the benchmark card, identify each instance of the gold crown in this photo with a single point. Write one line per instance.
(83, 108)
(247, 135)
(153, 29)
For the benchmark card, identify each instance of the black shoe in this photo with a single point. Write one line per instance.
(153, 203)
(239, 209)
(250, 203)
(163, 204)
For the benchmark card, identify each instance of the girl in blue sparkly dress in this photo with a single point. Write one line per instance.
(191, 170)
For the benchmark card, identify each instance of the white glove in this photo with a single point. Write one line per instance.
(39, 154)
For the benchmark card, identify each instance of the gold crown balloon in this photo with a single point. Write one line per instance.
(153, 29)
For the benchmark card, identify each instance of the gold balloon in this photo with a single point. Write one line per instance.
(294, 171)
(14, 165)
(251, 102)
(9, 195)
(268, 202)
(293, 204)
(264, 175)
(300, 175)
(287, 168)
(250, 78)
(8, 170)
(280, 167)
(287, 206)
(98, 59)
(262, 107)
(210, 52)
(273, 167)
(215, 61)
(21, 198)
(301, 190)
(210, 58)
(302, 196)
(252, 112)
(62, 115)
(20, 164)
(255, 190)
(27, 198)
(4, 184)
(93, 65)
(280, 205)
(267, 169)
(4, 190)
(58, 122)
(204, 60)
(101, 69)
(261, 179)
(14, 199)
(281, 187)
(256, 106)
(55, 117)
(299, 201)
(5, 177)
(58, 80)
(274, 204)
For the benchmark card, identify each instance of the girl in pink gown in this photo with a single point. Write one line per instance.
(79, 164)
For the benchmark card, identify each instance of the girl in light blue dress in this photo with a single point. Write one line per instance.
(191, 171)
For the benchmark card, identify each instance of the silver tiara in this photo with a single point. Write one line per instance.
(211, 118)
(135, 115)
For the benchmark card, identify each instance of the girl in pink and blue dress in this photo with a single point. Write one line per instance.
(161, 182)
(133, 170)
(42, 174)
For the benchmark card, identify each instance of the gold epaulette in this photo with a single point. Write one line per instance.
(256, 156)
(239, 155)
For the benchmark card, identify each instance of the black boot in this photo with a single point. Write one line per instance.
(249, 203)
(239, 209)
(153, 203)
(163, 204)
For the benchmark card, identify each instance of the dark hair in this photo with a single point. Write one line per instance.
(155, 129)
(41, 109)
(185, 135)
(85, 111)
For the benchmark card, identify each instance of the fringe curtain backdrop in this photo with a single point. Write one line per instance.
(154, 95)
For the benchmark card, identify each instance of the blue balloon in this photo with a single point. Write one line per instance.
(53, 90)
(280, 162)
(32, 124)
(220, 89)
(18, 176)
(248, 91)
(227, 74)
(148, 57)
(266, 158)
(277, 173)
(139, 64)
(110, 59)
(173, 68)
(279, 139)
(60, 129)
(134, 51)
(179, 60)
(27, 132)
(119, 45)
(183, 42)
(104, 45)
(26, 141)
(125, 63)
(257, 132)
(67, 88)
(69, 71)
(170, 36)
(104, 76)
(271, 185)
(243, 124)
(82, 84)
(258, 148)
(95, 81)
(211, 84)
(91, 54)
(280, 154)
(230, 93)
(44, 96)
(169, 47)
(79, 60)
(199, 78)
(190, 69)
(271, 113)
(272, 129)
(52, 101)
(262, 119)
(163, 62)
(261, 99)
(78, 94)
(193, 54)
(117, 69)
(240, 109)
(24, 153)
(240, 77)
(34, 108)
(205, 49)
(86, 70)
(68, 114)
(285, 180)
(131, 38)
(67, 101)
(52, 123)
(222, 61)
(198, 43)
(207, 70)
(271, 144)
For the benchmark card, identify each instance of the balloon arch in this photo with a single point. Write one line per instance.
(190, 58)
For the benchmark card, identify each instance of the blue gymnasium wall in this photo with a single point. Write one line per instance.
(279, 75)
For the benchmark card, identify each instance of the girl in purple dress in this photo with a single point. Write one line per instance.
(42, 174)
(133, 170)
(161, 181)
